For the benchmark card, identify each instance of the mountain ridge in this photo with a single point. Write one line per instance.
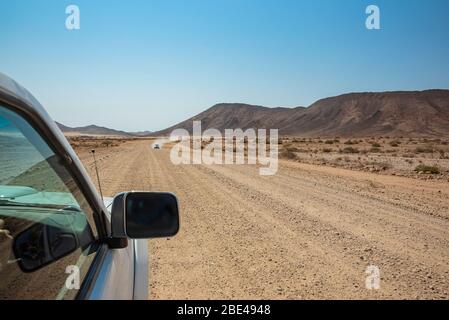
(94, 130)
(395, 113)
(411, 113)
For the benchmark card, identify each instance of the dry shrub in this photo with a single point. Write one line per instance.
(287, 154)
(427, 169)
(350, 150)
(424, 149)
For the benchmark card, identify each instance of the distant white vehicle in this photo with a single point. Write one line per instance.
(156, 146)
(58, 238)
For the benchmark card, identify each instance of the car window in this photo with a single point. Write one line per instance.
(47, 228)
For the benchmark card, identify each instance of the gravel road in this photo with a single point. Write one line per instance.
(309, 232)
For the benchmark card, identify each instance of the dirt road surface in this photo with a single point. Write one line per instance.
(309, 232)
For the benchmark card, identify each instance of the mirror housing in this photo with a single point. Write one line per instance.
(144, 215)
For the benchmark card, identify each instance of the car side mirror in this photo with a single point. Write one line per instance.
(144, 215)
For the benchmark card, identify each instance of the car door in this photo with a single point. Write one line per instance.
(131, 274)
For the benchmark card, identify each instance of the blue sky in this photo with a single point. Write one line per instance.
(147, 64)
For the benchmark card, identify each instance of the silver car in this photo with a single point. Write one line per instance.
(58, 238)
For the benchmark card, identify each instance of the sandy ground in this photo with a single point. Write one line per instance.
(308, 232)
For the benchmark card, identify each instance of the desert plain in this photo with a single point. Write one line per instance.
(335, 207)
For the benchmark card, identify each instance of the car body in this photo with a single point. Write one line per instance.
(157, 146)
(54, 225)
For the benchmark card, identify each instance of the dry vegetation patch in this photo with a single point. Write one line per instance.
(415, 157)
(96, 142)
